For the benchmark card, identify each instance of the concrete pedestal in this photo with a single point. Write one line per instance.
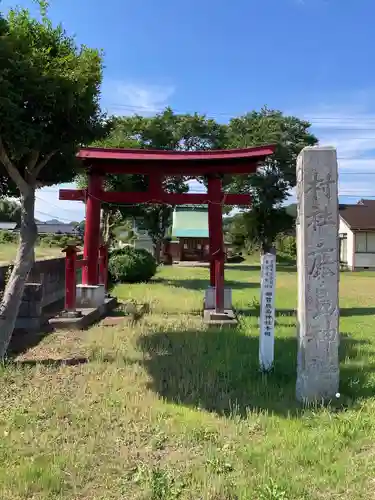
(209, 299)
(225, 319)
(90, 296)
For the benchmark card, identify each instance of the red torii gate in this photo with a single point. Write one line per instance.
(157, 164)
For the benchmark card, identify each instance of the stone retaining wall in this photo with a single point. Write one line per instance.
(49, 273)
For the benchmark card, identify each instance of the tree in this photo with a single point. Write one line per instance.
(271, 185)
(80, 228)
(49, 105)
(166, 131)
(263, 225)
(10, 211)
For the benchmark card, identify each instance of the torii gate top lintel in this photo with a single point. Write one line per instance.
(158, 164)
(222, 156)
(236, 161)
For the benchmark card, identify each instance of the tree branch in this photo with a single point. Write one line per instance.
(12, 170)
(43, 163)
(33, 159)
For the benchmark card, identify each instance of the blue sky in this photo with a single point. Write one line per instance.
(312, 58)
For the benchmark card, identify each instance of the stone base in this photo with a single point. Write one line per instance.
(209, 299)
(317, 386)
(71, 314)
(90, 296)
(87, 317)
(226, 319)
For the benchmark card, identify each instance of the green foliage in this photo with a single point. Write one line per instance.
(52, 100)
(263, 223)
(271, 185)
(10, 211)
(8, 237)
(287, 245)
(58, 240)
(236, 232)
(248, 230)
(131, 265)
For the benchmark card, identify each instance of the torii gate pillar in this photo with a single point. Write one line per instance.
(215, 223)
(90, 272)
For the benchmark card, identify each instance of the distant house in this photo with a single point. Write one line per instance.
(357, 235)
(190, 237)
(56, 228)
(8, 226)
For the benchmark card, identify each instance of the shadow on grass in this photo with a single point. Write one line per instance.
(217, 370)
(357, 311)
(281, 267)
(22, 340)
(54, 363)
(203, 284)
(252, 312)
(344, 312)
(59, 362)
(243, 267)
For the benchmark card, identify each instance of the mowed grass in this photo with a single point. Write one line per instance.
(8, 253)
(167, 409)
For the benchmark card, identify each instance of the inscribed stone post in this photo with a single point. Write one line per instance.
(318, 274)
(267, 312)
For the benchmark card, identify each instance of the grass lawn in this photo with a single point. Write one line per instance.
(8, 253)
(166, 409)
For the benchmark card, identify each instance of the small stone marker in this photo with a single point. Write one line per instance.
(318, 275)
(267, 312)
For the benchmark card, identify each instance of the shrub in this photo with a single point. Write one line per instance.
(57, 240)
(8, 237)
(286, 245)
(131, 265)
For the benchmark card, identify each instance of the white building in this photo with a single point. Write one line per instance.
(357, 235)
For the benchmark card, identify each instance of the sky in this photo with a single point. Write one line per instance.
(310, 58)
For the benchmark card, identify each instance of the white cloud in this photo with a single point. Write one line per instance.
(125, 98)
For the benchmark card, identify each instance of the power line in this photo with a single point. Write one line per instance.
(52, 216)
(56, 206)
(311, 118)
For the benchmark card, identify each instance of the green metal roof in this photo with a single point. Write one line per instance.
(190, 222)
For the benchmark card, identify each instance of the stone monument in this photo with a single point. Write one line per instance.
(318, 275)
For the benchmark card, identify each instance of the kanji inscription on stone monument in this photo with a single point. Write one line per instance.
(318, 274)
(267, 312)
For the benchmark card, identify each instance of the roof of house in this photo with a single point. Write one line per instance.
(360, 217)
(190, 222)
(56, 228)
(7, 226)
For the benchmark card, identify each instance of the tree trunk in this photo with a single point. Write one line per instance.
(106, 227)
(157, 250)
(267, 247)
(24, 261)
